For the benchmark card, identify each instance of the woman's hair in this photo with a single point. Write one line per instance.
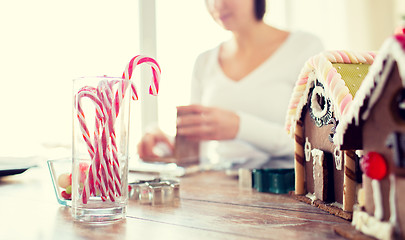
(260, 9)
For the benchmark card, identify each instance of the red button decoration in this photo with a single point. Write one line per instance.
(374, 165)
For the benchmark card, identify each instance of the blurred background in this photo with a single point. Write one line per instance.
(44, 44)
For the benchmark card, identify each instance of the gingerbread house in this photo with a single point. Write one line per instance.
(326, 176)
(377, 118)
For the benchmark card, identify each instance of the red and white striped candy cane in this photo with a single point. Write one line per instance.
(100, 174)
(116, 104)
(137, 60)
(105, 95)
(105, 92)
(105, 167)
(104, 171)
(90, 185)
(120, 94)
(89, 93)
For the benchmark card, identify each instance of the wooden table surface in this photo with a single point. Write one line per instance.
(211, 206)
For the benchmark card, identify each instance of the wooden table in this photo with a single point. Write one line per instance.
(211, 206)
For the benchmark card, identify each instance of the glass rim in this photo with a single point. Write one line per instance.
(98, 77)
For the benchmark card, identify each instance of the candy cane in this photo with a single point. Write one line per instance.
(119, 96)
(106, 95)
(87, 92)
(90, 186)
(108, 184)
(104, 171)
(137, 60)
(100, 169)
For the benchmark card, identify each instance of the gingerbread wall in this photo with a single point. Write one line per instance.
(381, 122)
(318, 137)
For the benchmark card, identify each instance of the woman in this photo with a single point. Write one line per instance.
(241, 88)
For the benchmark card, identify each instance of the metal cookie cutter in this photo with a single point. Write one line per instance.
(155, 192)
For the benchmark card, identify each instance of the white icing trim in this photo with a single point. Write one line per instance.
(338, 158)
(307, 150)
(311, 196)
(317, 159)
(359, 153)
(336, 204)
(371, 226)
(378, 89)
(393, 204)
(317, 155)
(377, 197)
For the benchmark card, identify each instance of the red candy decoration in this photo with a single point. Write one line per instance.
(374, 166)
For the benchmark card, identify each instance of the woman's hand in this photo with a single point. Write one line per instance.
(197, 122)
(149, 142)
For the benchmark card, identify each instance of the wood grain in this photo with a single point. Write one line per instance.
(211, 206)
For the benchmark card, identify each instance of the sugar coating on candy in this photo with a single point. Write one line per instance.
(374, 165)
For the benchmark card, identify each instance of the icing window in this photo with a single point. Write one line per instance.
(318, 102)
(307, 150)
(398, 104)
(332, 130)
(319, 105)
(396, 141)
(338, 158)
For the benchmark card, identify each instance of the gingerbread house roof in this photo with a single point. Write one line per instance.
(340, 72)
(393, 50)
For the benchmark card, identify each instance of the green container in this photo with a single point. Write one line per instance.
(280, 181)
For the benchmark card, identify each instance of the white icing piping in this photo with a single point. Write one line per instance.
(390, 49)
(379, 88)
(359, 153)
(311, 196)
(371, 226)
(317, 155)
(393, 205)
(398, 55)
(377, 197)
(307, 150)
(336, 204)
(338, 158)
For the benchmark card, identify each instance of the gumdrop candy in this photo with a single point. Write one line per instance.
(64, 180)
(374, 165)
(66, 195)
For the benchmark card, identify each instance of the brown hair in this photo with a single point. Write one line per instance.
(260, 9)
